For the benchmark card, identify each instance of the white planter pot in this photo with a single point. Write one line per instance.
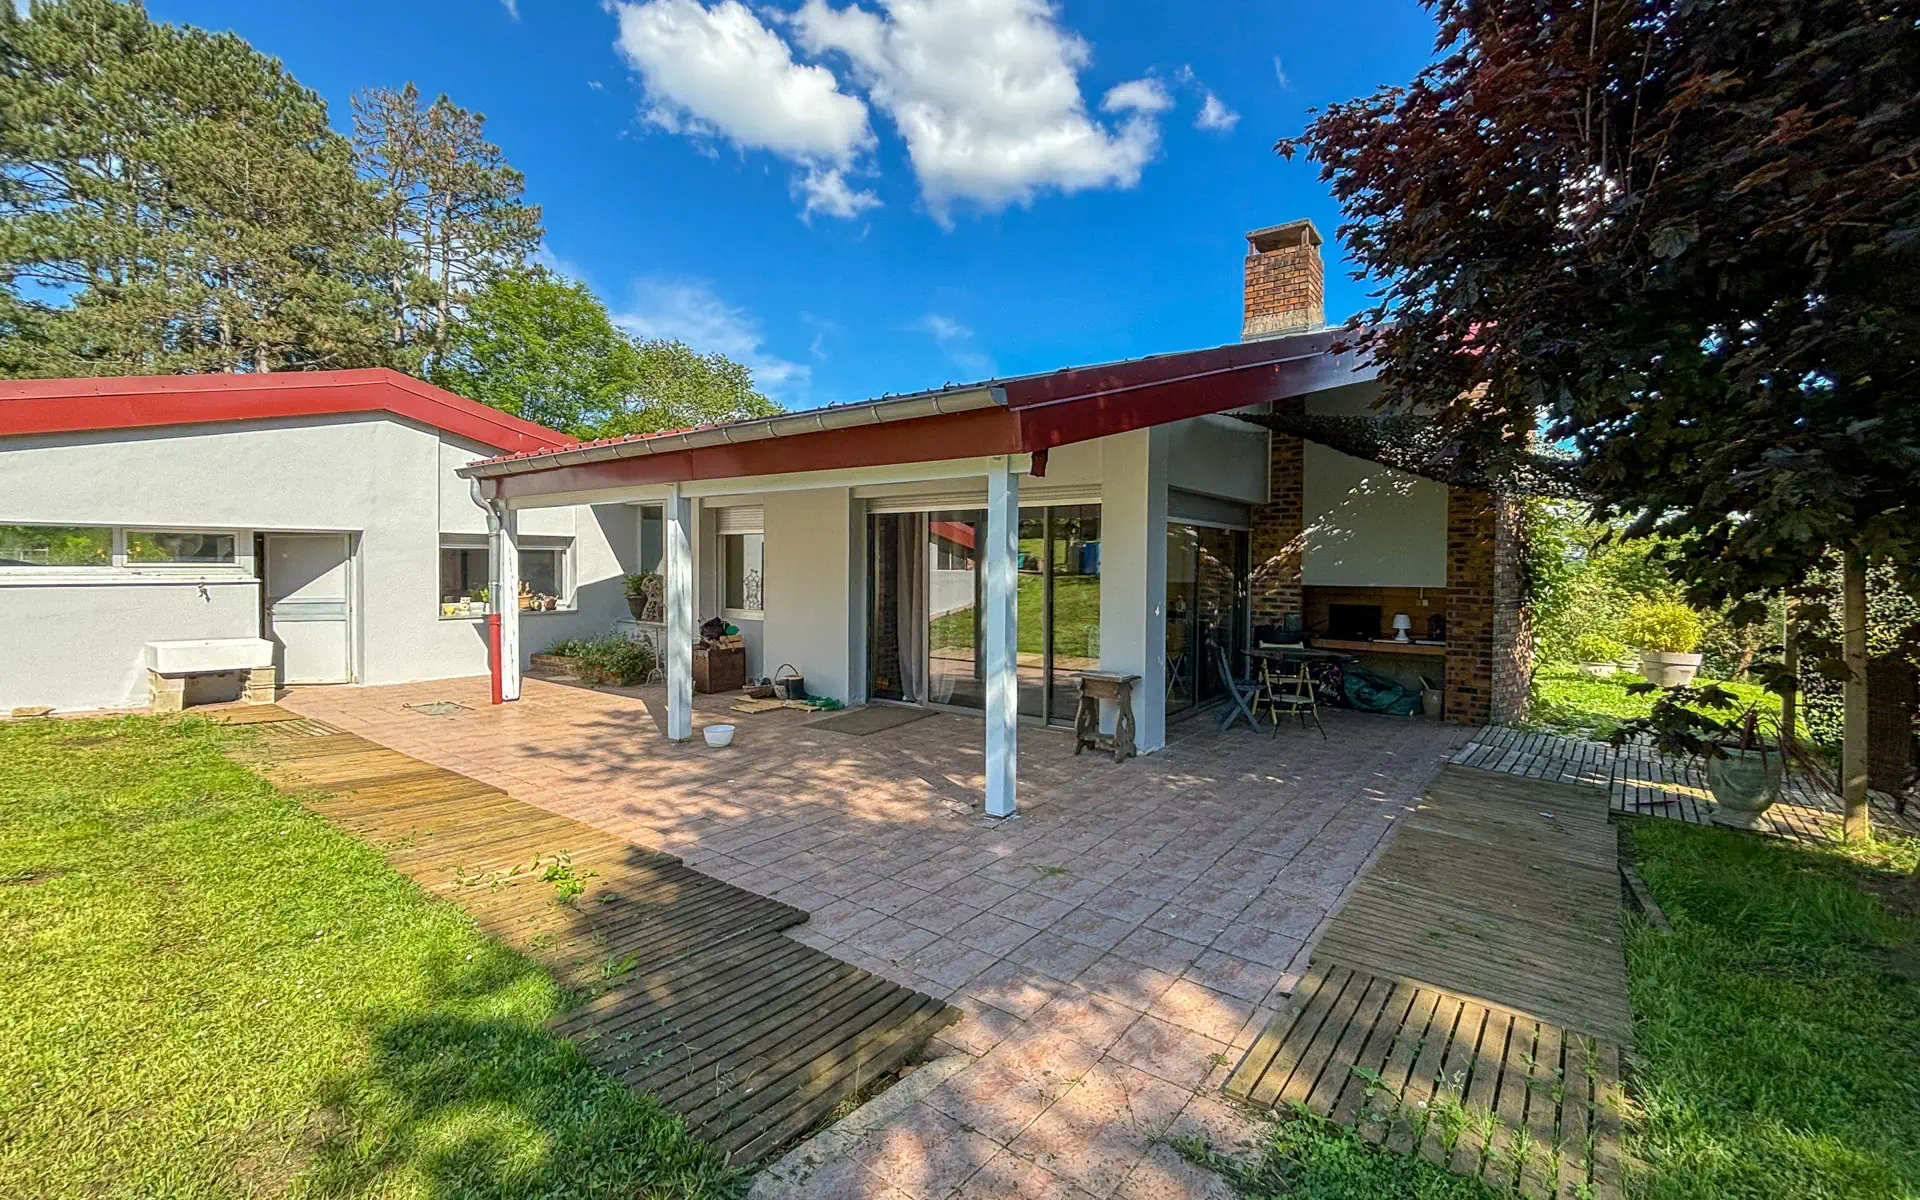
(1598, 670)
(1668, 670)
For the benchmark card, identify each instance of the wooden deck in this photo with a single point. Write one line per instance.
(691, 989)
(1469, 1002)
(1640, 782)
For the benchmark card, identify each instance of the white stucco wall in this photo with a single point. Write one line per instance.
(1133, 574)
(1218, 456)
(1369, 525)
(385, 480)
(809, 589)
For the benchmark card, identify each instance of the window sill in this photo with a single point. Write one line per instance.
(481, 616)
(120, 577)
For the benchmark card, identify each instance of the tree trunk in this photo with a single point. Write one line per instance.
(1789, 699)
(1853, 756)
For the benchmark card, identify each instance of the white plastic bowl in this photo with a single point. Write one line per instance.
(719, 735)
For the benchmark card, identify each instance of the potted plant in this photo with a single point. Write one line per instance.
(1667, 635)
(1745, 758)
(1597, 655)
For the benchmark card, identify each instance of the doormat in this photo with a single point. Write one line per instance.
(859, 722)
(437, 708)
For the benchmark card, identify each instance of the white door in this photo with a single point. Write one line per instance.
(307, 606)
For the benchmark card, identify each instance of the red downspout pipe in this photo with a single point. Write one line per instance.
(493, 655)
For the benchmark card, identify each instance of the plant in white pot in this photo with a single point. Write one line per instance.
(1667, 635)
(1599, 656)
(1745, 758)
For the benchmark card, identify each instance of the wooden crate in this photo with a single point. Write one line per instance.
(719, 670)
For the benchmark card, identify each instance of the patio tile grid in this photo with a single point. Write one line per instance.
(1114, 948)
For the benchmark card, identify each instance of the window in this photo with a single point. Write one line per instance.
(56, 546)
(147, 547)
(653, 539)
(466, 575)
(743, 555)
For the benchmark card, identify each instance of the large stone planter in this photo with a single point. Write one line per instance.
(1668, 670)
(1745, 785)
(1598, 670)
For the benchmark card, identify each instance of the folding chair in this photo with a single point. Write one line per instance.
(1239, 695)
(1295, 694)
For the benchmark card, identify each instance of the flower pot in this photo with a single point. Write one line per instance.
(1745, 784)
(1668, 670)
(637, 605)
(1598, 670)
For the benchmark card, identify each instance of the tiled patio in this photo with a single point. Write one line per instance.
(1115, 947)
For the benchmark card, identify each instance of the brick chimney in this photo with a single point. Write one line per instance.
(1286, 285)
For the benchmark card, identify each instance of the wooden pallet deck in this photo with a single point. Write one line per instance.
(1469, 1002)
(694, 992)
(1641, 782)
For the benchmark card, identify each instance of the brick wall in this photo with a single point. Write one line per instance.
(1489, 627)
(1285, 281)
(1278, 534)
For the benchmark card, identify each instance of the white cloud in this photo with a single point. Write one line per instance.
(957, 343)
(1215, 116)
(1137, 95)
(512, 7)
(986, 94)
(825, 190)
(690, 311)
(719, 73)
(1280, 74)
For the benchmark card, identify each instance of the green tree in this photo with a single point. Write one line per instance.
(542, 347)
(172, 200)
(446, 194)
(1688, 236)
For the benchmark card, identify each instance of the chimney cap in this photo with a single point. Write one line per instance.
(1281, 237)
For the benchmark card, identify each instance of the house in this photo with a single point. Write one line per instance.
(321, 512)
(975, 547)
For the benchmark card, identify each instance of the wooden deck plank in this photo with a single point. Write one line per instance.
(698, 997)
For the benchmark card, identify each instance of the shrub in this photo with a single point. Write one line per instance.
(1663, 628)
(1595, 648)
(567, 648)
(636, 585)
(615, 658)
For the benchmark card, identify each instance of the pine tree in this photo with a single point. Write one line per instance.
(447, 195)
(171, 200)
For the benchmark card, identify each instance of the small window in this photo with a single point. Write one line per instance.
(55, 546)
(743, 554)
(543, 571)
(149, 547)
(464, 576)
(653, 539)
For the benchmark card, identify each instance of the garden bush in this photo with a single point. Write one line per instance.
(1596, 648)
(615, 658)
(1663, 628)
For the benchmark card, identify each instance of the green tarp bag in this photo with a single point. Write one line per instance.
(1369, 692)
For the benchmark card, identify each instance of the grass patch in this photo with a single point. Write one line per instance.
(1565, 701)
(205, 990)
(1777, 1053)
(1310, 1158)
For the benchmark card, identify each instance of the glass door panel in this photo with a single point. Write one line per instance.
(1220, 604)
(1073, 617)
(954, 583)
(1030, 614)
(1184, 648)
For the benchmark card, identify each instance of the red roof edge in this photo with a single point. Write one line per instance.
(30, 406)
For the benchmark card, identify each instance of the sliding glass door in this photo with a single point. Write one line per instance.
(1206, 610)
(924, 608)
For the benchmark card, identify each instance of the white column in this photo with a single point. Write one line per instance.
(1133, 576)
(679, 649)
(503, 592)
(1001, 636)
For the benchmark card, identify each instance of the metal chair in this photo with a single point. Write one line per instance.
(1240, 695)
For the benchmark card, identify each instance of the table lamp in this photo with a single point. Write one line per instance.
(1401, 624)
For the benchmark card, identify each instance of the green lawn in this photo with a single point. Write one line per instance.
(206, 990)
(1778, 1025)
(1076, 618)
(1566, 701)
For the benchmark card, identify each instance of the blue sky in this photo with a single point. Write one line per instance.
(861, 200)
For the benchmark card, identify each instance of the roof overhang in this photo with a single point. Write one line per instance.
(1024, 415)
(42, 406)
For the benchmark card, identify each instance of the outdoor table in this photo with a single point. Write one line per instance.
(1096, 686)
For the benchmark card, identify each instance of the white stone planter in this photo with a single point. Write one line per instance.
(1598, 670)
(1668, 670)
